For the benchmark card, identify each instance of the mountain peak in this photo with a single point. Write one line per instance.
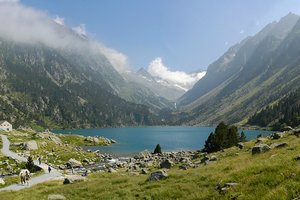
(142, 71)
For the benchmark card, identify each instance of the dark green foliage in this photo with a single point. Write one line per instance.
(224, 137)
(30, 164)
(285, 113)
(157, 149)
(242, 137)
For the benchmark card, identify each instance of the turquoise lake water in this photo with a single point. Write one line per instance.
(134, 140)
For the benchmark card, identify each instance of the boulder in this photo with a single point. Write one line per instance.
(74, 163)
(213, 158)
(91, 139)
(205, 159)
(262, 139)
(276, 135)
(30, 145)
(286, 128)
(144, 171)
(56, 197)
(230, 184)
(296, 132)
(240, 145)
(2, 182)
(158, 175)
(62, 167)
(73, 178)
(279, 145)
(166, 164)
(297, 158)
(112, 170)
(183, 167)
(261, 148)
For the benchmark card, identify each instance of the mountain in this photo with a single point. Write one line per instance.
(285, 112)
(44, 86)
(249, 76)
(158, 86)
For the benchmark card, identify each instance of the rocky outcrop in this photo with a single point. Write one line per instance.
(30, 145)
(158, 175)
(276, 135)
(166, 164)
(2, 182)
(240, 145)
(73, 178)
(261, 148)
(74, 163)
(56, 197)
(279, 145)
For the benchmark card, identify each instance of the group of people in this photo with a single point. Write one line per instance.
(25, 173)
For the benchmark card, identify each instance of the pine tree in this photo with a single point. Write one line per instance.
(224, 137)
(242, 137)
(157, 149)
(30, 164)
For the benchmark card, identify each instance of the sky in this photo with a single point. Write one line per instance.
(184, 35)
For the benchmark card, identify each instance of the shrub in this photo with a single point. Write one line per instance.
(157, 149)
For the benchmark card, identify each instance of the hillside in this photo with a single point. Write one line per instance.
(284, 112)
(249, 76)
(273, 174)
(51, 87)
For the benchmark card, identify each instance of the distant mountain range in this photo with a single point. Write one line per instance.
(159, 86)
(69, 86)
(68, 81)
(250, 76)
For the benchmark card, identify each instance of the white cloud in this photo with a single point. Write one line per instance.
(242, 31)
(9, 1)
(183, 79)
(118, 60)
(27, 25)
(59, 20)
(81, 30)
(226, 43)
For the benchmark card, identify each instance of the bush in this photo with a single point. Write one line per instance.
(224, 137)
(31, 166)
(157, 149)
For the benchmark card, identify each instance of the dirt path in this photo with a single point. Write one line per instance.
(33, 181)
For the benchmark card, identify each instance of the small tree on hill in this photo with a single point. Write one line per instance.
(30, 164)
(242, 137)
(157, 149)
(224, 137)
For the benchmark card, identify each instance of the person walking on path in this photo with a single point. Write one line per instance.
(40, 160)
(49, 169)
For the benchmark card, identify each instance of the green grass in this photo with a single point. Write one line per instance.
(49, 150)
(271, 175)
(78, 140)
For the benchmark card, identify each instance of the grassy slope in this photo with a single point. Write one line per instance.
(49, 151)
(271, 175)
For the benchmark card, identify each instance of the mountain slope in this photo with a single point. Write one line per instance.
(46, 86)
(285, 111)
(249, 76)
(158, 86)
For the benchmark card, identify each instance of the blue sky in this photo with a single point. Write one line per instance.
(187, 34)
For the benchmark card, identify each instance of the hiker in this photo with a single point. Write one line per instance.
(85, 173)
(27, 177)
(49, 169)
(72, 170)
(40, 160)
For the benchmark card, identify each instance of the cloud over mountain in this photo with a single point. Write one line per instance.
(183, 79)
(27, 25)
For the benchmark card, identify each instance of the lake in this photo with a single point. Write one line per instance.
(136, 139)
